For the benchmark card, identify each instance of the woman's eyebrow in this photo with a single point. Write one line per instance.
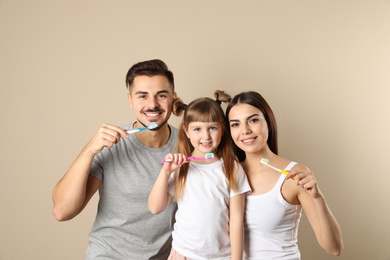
(249, 117)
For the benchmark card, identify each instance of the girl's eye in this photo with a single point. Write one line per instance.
(254, 120)
(233, 125)
(213, 128)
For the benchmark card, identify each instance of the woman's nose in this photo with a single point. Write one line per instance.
(246, 130)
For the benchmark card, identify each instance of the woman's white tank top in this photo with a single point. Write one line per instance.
(271, 225)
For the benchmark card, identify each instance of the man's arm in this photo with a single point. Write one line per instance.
(73, 192)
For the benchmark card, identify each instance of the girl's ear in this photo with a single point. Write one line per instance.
(185, 131)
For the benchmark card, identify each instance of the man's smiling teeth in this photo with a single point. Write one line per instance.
(152, 114)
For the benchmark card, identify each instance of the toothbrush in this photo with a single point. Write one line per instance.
(151, 126)
(207, 156)
(265, 161)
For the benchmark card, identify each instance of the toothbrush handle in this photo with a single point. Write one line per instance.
(191, 158)
(136, 130)
(132, 131)
(284, 172)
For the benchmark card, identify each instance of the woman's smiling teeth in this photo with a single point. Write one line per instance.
(248, 140)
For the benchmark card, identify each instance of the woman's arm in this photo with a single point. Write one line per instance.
(237, 207)
(323, 222)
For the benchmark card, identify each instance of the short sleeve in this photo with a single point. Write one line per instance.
(242, 182)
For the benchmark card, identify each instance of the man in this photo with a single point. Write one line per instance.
(123, 167)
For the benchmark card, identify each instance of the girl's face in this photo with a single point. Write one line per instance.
(204, 136)
(248, 127)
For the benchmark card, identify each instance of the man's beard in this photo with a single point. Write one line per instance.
(156, 128)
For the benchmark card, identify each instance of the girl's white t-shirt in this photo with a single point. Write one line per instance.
(201, 230)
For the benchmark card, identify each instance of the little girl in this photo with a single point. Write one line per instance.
(210, 192)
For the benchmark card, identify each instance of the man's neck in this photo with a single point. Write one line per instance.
(155, 139)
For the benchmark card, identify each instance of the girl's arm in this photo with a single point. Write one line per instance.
(324, 224)
(159, 197)
(237, 206)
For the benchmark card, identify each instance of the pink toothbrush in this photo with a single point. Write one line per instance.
(207, 156)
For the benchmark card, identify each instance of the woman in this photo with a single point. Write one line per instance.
(273, 209)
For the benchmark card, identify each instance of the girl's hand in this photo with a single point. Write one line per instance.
(174, 161)
(306, 181)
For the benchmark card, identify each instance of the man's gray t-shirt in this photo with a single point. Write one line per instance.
(124, 228)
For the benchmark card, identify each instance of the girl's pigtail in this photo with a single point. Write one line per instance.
(222, 96)
(178, 107)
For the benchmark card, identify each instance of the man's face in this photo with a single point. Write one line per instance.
(151, 98)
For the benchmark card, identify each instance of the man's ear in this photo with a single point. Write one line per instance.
(129, 100)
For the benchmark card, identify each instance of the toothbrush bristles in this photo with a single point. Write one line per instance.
(264, 161)
(209, 156)
(153, 125)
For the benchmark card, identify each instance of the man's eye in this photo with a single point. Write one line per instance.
(162, 96)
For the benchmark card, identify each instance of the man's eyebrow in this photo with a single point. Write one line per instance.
(163, 91)
(249, 117)
(145, 92)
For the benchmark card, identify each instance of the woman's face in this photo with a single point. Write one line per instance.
(248, 127)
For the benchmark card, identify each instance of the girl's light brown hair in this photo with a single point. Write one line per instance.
(206, 110)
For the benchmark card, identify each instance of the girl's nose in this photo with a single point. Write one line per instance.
(206, 134)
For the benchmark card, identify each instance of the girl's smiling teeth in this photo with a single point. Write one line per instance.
(206, 143)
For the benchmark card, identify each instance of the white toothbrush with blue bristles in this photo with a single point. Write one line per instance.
(149, 127)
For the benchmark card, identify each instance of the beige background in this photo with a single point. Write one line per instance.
(324, 66)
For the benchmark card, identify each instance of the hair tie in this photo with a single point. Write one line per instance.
(218, 101)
